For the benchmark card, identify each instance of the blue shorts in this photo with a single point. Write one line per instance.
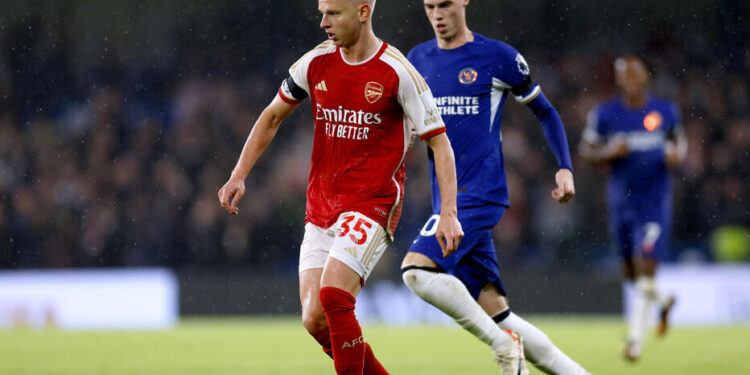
(641, 232)
(475, 261)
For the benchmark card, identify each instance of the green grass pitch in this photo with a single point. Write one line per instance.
(280, 346)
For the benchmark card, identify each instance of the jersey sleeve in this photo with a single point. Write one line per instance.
(593, 132)
(514, 74)
(421, 110)
(415, 96)
(295, 88)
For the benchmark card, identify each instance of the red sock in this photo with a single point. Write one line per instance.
(372, 365)
(323, 337)
(346, 336)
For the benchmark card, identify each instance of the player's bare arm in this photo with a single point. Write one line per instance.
(412, 134)
(597, 153)
(261, 135)
(675, 149)
(449, 232)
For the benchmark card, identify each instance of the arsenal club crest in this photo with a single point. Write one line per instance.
(373, 92)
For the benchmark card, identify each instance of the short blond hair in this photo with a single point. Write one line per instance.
(371, 3)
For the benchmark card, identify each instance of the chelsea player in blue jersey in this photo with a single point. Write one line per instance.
(471, 77)
(640, 137)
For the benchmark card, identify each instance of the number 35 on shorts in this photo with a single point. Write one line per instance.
(360, 241)
(356, 226)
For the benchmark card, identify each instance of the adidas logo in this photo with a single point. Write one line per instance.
(321, 86)
(351, 250)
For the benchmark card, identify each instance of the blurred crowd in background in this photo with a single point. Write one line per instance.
(119, 122)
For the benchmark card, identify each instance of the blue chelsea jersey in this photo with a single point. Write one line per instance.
(642, 177)
(470, 85)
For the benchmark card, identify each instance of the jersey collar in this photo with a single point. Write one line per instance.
(378, 51)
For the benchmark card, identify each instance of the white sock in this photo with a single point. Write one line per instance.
(628, 288)
(449, 294)
(647, 284)
(540, 350)
(643, 299)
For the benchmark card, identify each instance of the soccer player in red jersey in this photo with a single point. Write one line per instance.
(364, 95)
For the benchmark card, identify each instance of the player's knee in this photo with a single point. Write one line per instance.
(411, 277)
(335, 300)
(628, 269)
(646, 285)
(417, 279)
(314, 322)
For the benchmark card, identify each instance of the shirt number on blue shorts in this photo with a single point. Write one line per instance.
(430, 227)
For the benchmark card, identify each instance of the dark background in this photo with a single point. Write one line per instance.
(119, 121)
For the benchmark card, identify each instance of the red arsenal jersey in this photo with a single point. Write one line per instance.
(361, 130)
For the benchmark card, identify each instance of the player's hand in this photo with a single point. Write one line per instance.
(618, 148)
(671, 156)
(412, 135)
(449, 233)
(231, 193)
(565, 188)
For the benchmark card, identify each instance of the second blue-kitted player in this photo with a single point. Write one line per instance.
(471, 78)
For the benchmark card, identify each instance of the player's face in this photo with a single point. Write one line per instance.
(446, 16)
(631, 76)
(340, 21)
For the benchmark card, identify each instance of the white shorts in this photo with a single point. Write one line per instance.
(355, 239)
